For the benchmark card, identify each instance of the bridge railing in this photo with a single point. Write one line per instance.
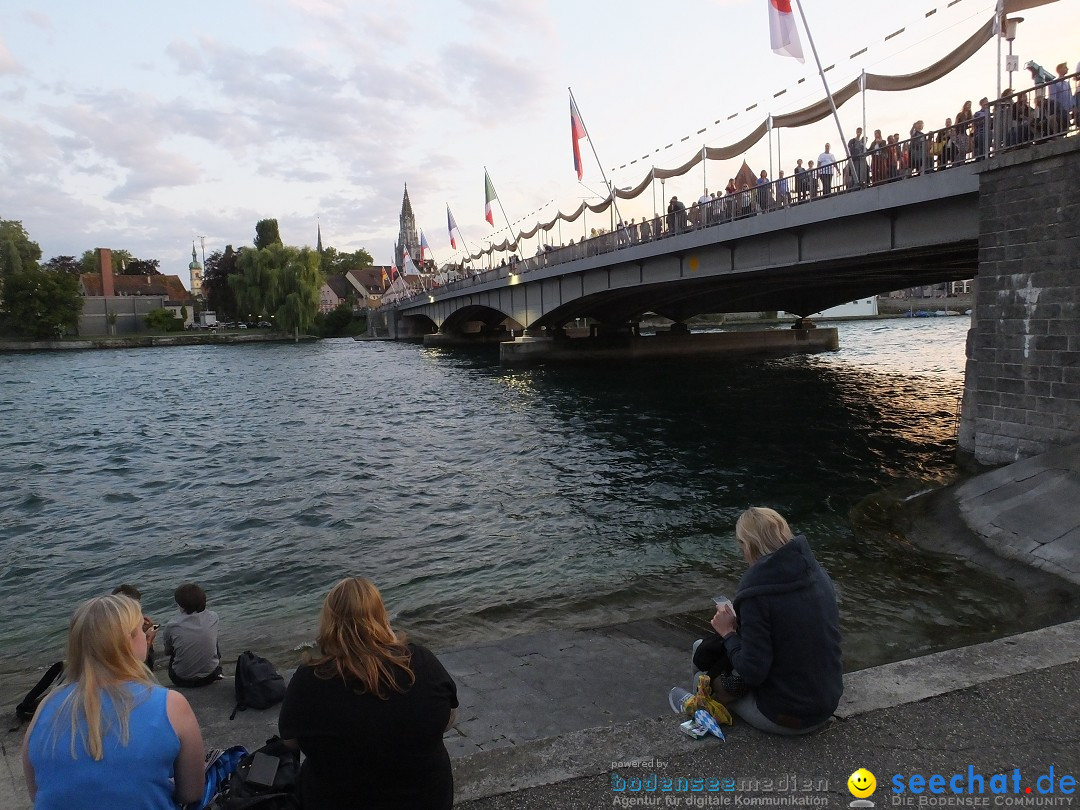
(1017, 120)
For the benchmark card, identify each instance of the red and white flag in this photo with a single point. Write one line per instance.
(577, 132)
(424, 247)
(451, 226)
(782, 31)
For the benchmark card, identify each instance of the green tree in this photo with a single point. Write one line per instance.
(337, 264)
(120, 261)
(267, 233)
(29, 251)
(279, 280)
(141, 267)
(161, 320)
(41, 304)
(63, 264)
(336, 321)
(10, 260)
(220, 296)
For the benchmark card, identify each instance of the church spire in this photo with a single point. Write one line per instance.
(318, 241)
(407, 238)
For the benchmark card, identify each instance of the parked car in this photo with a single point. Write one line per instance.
(265, 325)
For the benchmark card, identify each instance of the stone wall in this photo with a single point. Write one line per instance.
(1022, 393)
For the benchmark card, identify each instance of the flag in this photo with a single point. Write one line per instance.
(385, 278)
(782, 31)
(451, 226)
(423, 246)
(408, 266)
(577, 132)
(489, 198)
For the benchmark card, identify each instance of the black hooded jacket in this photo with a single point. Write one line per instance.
(787, 647)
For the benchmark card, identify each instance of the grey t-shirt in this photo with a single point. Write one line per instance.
(191, 642)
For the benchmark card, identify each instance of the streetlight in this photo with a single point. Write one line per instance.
(1012, 62)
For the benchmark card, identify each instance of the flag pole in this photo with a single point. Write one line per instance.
(464, 241)
(824, 81)
(509, 227)
(611, 188)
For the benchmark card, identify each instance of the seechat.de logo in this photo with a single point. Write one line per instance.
(861, 784)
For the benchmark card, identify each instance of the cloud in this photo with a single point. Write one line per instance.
(42, 21)
(499, 84)
(7, 61)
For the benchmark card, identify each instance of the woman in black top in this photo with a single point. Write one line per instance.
(370, 711)
(783, 638)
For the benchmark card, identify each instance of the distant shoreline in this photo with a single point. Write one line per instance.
(143, 341)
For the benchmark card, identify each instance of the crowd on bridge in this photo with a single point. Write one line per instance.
(1050, 109)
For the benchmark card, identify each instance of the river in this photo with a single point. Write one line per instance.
(484, 502)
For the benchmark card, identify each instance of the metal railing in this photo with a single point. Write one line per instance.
(1018, 120)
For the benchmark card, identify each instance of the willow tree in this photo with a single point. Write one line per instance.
(281, 281)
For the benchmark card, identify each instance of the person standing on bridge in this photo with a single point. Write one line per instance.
(775, 659)
(825, 169)
(857, 152)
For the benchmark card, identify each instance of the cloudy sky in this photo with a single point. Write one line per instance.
(145, 125)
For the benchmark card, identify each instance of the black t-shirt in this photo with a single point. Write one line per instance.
(367, 752)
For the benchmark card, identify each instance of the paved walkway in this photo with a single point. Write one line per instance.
(543, 718)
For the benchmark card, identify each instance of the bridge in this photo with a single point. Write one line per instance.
(1007, 217)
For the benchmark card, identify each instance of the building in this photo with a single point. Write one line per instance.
(369, 283)
(407, 238)
(333, 292)
(115, 304)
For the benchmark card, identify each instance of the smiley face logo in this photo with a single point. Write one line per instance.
(861, 783)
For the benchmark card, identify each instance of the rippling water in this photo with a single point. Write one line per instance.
(484, 502)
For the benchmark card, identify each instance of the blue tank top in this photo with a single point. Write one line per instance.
(137, 775)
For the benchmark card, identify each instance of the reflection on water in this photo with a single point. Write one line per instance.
(484, 502)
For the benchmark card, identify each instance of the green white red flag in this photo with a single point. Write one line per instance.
(489, 198)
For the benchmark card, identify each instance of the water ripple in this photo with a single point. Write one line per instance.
(485, 502)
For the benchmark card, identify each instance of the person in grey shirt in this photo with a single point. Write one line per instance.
(191, 640)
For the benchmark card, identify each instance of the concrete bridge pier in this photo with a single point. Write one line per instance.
(532, 349)
(487, 336)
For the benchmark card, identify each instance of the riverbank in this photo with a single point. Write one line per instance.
(545, 718)
(147, 341)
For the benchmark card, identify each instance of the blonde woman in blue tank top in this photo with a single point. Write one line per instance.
(112, 737)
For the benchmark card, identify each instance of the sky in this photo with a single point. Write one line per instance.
(145, 126)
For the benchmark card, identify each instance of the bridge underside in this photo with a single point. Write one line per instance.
(810, 288)
(802, 259)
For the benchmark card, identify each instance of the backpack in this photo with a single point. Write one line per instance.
(242, 792)
(25, 710)
(258, 685)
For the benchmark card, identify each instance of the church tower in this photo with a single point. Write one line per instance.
(196, 270)
(407, 237)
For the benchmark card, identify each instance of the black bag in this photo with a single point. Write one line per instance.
(25, 710)
(258, 685)
(242, 793)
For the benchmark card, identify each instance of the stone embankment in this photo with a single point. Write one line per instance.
(144, 341)
(565, 719)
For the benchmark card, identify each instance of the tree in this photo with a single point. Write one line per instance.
(266, 233)
(63, 264)
(29, 251)
(336, 321)
(120, 260)
(281, 280)
(337, 264)
(41, 304)
(162, 320)
(220, 296)
(141, 267)
(10, 260)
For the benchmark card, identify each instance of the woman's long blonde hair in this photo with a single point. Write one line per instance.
(761, 531)
(356, 640)
(100, 659)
